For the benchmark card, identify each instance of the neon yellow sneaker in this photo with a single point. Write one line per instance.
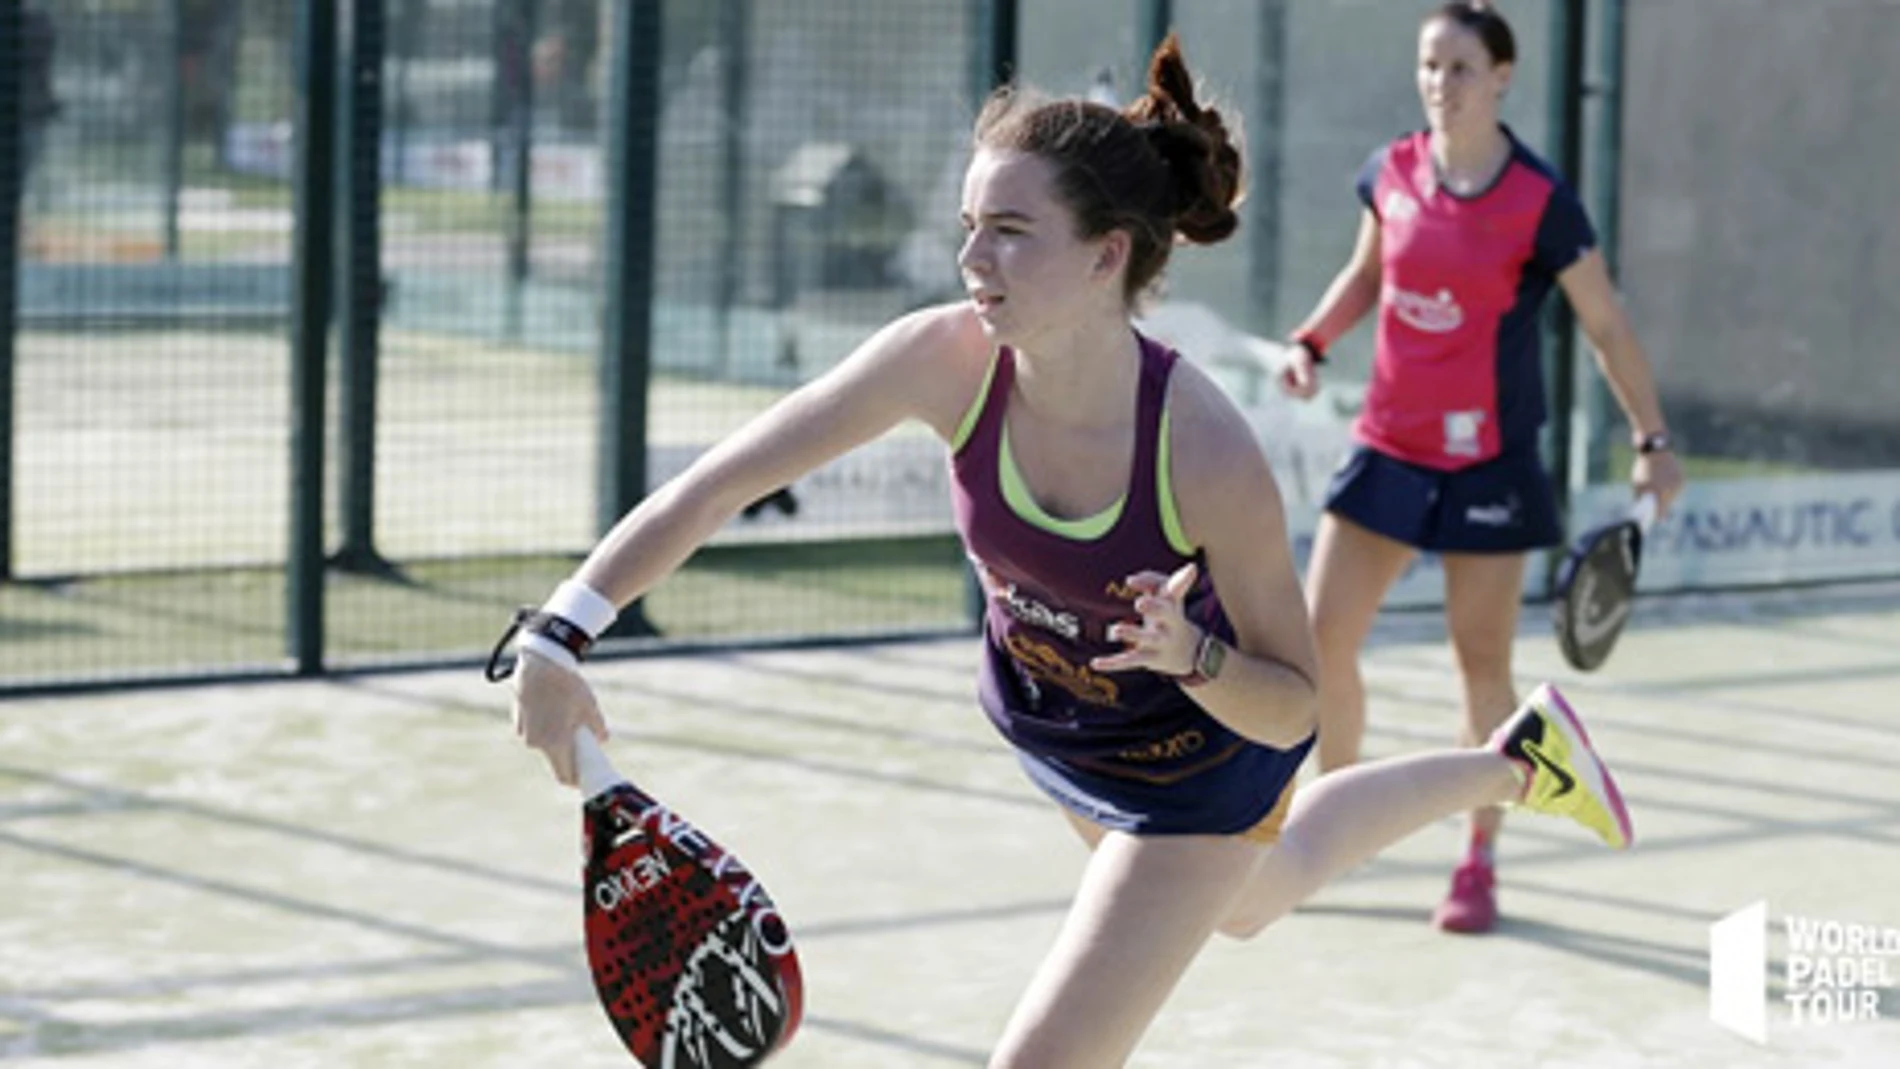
(1565, 775)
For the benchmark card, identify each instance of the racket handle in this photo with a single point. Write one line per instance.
(592, 770)
(1644, 511)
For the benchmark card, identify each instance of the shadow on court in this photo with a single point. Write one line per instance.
(370, 872)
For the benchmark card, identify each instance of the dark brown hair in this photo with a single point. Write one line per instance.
(1160, 167)
(1483, 20)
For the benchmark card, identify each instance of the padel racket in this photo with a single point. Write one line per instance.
(1596, 586)
(692, 962)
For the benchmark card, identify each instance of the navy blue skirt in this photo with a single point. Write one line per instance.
(1232, 796)
(1503, 505)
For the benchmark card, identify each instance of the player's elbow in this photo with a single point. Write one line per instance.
(1290, 717)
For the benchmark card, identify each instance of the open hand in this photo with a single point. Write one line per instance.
(1163, 640)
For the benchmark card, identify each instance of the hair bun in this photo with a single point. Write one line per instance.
(1202, 161)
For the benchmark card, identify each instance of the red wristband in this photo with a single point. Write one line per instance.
(1311, 342)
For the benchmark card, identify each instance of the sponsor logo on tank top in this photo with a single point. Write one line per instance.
(1043, 663)
(1034, 613)
(1437, 313)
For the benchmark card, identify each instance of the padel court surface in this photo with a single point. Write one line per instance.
(370, 872)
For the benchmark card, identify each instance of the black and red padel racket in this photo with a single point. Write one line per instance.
(692, 962)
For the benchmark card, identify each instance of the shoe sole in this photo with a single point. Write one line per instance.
(1464, 928)
(1594, 773)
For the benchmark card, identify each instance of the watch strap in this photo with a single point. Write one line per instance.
(1210, 653)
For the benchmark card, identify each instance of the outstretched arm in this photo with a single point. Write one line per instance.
(921, 366)
(877, 387)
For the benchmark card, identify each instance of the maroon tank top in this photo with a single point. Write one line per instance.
(1050, 599)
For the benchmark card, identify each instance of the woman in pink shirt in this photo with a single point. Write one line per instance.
(1465, 232)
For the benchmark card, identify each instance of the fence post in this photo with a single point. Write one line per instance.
(314, 74)
(993, 60)
(996, 28)
(1266, 120)
(1606, 208)
(1568, 39)
(12, 188)
(526, 23)
(626, 365)
(1153, 20)
(359, 279)
(173, 160)
(735, 38)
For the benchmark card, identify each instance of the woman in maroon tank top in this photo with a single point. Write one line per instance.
(1133, 698)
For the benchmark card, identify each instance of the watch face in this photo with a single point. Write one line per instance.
(1214, 654)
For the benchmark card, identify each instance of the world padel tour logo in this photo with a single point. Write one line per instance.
(1834, 972)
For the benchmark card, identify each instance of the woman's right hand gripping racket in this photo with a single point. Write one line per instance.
(1596, 586)
(693, 964)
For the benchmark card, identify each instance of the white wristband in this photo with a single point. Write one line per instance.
(547, 649)
(582, 606)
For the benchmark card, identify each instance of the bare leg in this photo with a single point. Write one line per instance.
(1143, 911)
(1351, 570)
(1481, 603)
(1345, 817)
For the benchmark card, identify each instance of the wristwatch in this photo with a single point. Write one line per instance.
(1657, 442)
(1209, 655)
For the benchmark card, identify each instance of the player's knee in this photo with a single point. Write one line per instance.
(1482, 650)
(1291, 873)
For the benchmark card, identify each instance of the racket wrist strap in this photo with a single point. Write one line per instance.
(546, 648)
(582, 606)
(564, 628)
(561, 631)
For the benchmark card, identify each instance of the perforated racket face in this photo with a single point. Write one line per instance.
(693, 964)
(1597, 592)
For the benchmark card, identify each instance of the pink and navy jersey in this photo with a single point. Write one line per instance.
(1457, 377)
(1126, 749)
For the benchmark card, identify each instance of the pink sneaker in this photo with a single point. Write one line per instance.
(1472, 905)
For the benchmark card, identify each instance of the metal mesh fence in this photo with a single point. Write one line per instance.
(807, 161)
(151, 503)
(149, 378)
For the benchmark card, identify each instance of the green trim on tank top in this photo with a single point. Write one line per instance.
(1164, 493)
(975, 411)
(1023, 503)
(1089, 528)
